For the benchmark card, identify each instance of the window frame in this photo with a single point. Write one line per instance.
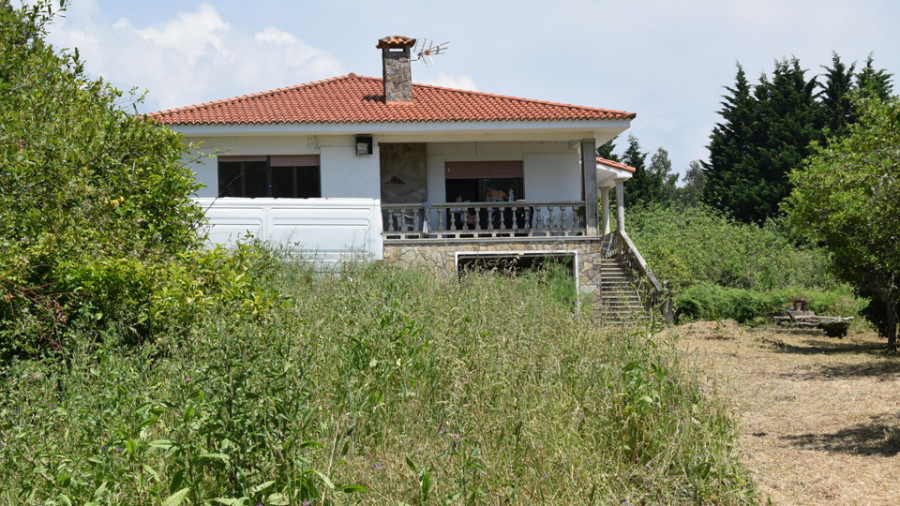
(302, 167)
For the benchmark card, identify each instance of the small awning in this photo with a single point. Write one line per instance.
(609, 171)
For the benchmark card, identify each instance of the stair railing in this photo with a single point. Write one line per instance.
(655, 294)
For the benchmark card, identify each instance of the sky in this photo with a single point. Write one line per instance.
(668, 61)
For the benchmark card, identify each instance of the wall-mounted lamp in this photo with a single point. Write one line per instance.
(363, 145)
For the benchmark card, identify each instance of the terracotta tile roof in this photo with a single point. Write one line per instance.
(359, 99)
(395, 41)
(615, 165)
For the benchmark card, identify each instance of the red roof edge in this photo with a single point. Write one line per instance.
(615, 165)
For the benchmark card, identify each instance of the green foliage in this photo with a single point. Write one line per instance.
(766, 131)
(644, 186)
(707, 301)
(845, 197)
(690, 245)
(96, 224)
(390, 385)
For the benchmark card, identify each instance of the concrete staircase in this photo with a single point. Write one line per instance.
(620, 302)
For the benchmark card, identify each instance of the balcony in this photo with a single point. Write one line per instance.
(482, 220)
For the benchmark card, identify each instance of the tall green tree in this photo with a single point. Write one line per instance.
(877, 83)
(766, 130)
(729, 173)
(846, 197)
(692, 192)
(643, 186)
(606, 151)
(661, 171)
(837, 108)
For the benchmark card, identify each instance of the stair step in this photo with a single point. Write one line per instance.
(619, 302)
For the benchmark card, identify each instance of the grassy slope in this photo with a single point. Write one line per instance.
(419, 390)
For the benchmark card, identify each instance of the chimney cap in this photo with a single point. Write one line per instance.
(395, 41)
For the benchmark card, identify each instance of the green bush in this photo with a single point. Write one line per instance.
(97, 227)
(707, 301)
(689, 245)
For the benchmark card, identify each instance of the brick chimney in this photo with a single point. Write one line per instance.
(396, 73)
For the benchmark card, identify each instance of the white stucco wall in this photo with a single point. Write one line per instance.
(348, 175)
(552, 170)
(553, 177)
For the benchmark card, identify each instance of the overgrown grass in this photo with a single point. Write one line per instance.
(370, 385)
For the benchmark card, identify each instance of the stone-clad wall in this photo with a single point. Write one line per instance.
(404, 176)
(442, 256)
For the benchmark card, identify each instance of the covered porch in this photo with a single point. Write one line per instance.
(508, 217)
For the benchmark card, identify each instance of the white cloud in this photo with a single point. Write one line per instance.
(192, 57)
(448, 81)
(274, 35)
(190, 34)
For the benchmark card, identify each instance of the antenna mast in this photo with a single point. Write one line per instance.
(425, 49)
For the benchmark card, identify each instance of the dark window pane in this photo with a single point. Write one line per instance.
(284, 184)
(255, 179)
(229, 179)
(308, 185)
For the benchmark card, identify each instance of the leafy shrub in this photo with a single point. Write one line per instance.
(689, 245)
(97, 227)
(707, 301)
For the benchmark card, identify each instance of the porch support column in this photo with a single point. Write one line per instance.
(604, 216)
(589, 179)
(620, 207)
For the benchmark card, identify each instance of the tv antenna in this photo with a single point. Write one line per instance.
(425, 49)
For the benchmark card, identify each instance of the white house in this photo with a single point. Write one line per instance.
(398, 171)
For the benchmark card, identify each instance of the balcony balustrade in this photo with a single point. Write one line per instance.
(482, 220)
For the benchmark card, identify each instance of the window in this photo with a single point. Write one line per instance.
(472, 180)
(292, 177)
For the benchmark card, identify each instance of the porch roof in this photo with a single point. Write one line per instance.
(360, 100)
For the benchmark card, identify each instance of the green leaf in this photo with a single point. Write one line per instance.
(325, 480)
(211, 457)
(176, 498)
(278, 500)
(230, 501)
(352, 489)
(162, 444)
(262, 486)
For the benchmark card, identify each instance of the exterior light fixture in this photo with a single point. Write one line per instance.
(363, 145)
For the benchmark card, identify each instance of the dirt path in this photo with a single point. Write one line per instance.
(820, 417)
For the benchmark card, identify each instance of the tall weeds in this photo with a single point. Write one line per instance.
(371, 385)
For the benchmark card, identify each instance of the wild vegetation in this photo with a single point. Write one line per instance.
(97, 229)
(369, 385)
(719, 268)
(845, 196)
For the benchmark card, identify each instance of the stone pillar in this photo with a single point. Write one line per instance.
(589, 166)
(620, 206)
(604, 217)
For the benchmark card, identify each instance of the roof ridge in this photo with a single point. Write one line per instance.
(524, 99)
(260, 94)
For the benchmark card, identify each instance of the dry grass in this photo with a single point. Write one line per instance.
(820, 417)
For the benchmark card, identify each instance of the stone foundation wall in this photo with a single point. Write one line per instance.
(441, 256)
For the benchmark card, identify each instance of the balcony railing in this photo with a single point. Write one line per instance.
(470, 220)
